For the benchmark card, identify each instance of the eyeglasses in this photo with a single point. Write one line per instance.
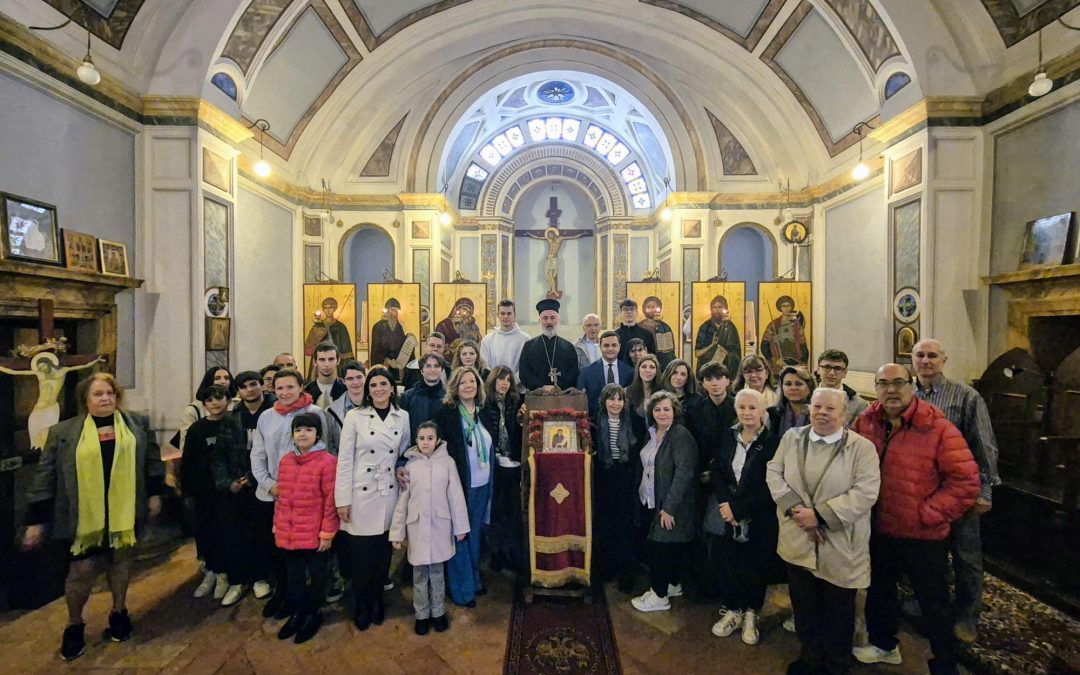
(891, 384)
(753, 370)
(833, 369)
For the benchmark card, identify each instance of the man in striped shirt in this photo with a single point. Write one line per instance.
(963, 407)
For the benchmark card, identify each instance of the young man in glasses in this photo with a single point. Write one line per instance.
(832, 367)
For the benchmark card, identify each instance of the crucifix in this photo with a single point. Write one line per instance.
(554, 238)
(47, 362)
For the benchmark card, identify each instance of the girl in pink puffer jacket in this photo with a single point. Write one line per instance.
(305, 522)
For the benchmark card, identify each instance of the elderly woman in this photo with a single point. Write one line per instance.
(754, 374)
(666, 495)
(99, 478)
(373, 438)
(472, 444)
(824, 480)
(744, 557)
(792, 408)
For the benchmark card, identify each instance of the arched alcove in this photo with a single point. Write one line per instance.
(748, 253)
(576, 257)
(366, 250)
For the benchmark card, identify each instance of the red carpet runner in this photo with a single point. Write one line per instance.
(561, 636)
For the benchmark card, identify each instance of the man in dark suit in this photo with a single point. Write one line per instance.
(607, 370)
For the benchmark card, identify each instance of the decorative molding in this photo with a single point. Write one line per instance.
(865, 25)
(733, 155)
(371, 40)
(769, 57)
(352, 57)
(749, 42)
(378, 165)
(251, 31)
(112, 29)
(1013, 28)
(169, 109)
(621, 57)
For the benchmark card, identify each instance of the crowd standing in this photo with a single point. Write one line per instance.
(734, 480)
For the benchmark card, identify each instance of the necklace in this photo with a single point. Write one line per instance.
(553, 374)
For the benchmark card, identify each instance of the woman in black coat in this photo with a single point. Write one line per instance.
(614, 490)
(506, 533)
(471, 443)
(745, 555)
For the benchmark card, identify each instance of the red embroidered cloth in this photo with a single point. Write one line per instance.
(560, 518)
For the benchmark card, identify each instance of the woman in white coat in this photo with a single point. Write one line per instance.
(373, 438)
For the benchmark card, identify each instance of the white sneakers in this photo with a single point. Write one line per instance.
(789, 624)
(221, 586)
(728, 623)
(651, 602)
(674, 591)
(731, 620)
(262, 589)
(750, 634)
(874, 654)
(233, 595)
(206, 586)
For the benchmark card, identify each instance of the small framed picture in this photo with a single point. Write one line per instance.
(80, 251)
(30, 230)
(907, 304)
(114, 260)
(217, 333)
(1046, 241)
(560, 437)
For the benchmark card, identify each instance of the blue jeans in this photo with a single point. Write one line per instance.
(966, 544)
(463, 570)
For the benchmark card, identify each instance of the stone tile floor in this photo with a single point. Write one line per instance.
(174, 633)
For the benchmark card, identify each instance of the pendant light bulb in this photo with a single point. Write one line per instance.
(861, 171)
(1041, 85)
(87, 72)
(665, 215)
(262, 168)
(444, 218)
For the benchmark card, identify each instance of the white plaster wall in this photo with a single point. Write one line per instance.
(857, 306)
(1035, 175)
(576, 258)
(57, 153)
(262, 301)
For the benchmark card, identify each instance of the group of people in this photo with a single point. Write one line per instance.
(730, 478)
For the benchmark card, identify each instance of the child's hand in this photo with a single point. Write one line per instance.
(324, 545)
(397, 545)
(461, 537)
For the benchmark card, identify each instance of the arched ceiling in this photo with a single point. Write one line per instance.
(369, 92)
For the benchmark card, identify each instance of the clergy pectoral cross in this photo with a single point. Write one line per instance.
(554, 375)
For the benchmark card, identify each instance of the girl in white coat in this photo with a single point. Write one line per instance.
(373, 438)
(431, 511)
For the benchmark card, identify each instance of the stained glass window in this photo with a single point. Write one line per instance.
(642, 201)
(490, 154)
(516, 138)
(637, 186)
(592, 135)
(474, 171)
(606, 142)
(618, 153)
(631, 172)
(536, 130)
(570, 129)
(554, 128)
(502, 145)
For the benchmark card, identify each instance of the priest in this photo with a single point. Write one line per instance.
(548, 359)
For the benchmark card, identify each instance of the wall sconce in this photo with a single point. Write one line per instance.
(861, 170)
(262, 167)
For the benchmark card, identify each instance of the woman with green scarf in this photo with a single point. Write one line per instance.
(98, 480)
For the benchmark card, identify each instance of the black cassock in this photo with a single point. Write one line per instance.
(534, 366)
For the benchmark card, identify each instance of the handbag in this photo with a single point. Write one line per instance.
(714, 522)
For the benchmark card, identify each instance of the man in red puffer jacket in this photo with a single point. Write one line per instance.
(928, 479)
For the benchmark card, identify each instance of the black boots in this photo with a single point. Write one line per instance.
(422, 626)
(304, 624)
(74, 643)
(440, 623)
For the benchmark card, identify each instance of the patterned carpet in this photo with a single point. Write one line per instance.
(561, 636)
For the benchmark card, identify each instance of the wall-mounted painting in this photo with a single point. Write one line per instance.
(80, 251)
(217, 170)
(718, 322)
(329, 316)
(658, 307)
(461, 312)
(393, 324)
(30, 230)
(784, 318)
(1046, 241)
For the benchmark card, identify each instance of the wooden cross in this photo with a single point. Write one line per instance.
(553, 213)
(45, 332)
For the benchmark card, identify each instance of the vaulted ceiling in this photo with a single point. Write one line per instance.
(373, 93)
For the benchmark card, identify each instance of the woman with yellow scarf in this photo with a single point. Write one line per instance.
(98, 480)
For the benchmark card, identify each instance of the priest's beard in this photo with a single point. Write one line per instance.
(548, 332)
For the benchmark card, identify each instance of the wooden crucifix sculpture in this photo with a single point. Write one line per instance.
(554, 238)
(47, 362)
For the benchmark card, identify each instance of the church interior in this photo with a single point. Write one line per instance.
(206, 174)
